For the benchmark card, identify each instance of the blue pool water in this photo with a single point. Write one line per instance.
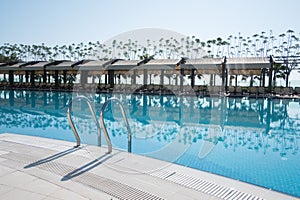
(252, 140)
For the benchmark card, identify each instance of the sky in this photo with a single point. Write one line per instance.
(58, 22)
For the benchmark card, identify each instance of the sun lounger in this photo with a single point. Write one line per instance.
(287, 91)
(297, 91)
(261, 91)
(253, 92)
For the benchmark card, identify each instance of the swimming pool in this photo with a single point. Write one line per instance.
(252, 140)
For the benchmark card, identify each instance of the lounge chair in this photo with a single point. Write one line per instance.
(175, 89)
(197, 90)
(238, 91)
(253, 92)
(202, 90)
(287, 91)
(117, 88)
(296, 91)
(214, 90)
(150, 89)
(187, 89)
(277, 91)
(158, 89)
(261, 91)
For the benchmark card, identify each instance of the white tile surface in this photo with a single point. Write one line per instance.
(4, 189)
(17, 179)
(66, 194)
(5, 171)
(22, 194)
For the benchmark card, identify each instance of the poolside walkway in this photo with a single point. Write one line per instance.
(39, 168)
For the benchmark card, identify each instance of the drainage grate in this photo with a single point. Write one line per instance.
(206, 187)
(108, 186)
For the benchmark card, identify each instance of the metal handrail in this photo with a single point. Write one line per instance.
(109, 145)
(72, 123)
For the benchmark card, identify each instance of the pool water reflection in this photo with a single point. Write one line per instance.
(253, 140)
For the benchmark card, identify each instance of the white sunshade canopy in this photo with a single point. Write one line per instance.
(16, 66)
(161, 64)
(124, 64)
(92, 65)
(63, 65)
(248, 63)
(203, 63)
(36, 66)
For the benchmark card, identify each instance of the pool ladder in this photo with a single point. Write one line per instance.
(107, 138)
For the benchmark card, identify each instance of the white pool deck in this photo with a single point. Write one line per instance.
(39, 168)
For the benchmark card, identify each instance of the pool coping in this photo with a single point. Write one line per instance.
(36, 159)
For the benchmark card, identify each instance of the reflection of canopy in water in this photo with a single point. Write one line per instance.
(173, 150)
(214, 132)
(211, 134)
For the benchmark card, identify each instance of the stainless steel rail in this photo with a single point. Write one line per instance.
(109, 145)
(69, 110)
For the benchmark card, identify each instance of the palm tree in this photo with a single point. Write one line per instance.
(289, 42)
(279, 72)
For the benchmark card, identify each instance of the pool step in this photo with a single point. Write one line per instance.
(200, 185)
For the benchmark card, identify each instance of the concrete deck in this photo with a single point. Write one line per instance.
(40, 168)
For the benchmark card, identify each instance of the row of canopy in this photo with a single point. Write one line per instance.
(238, 66)
(184, 66)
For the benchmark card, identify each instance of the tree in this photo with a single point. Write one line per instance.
(290, 48)
(279, 72)
(262, 44)
(8, 59)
